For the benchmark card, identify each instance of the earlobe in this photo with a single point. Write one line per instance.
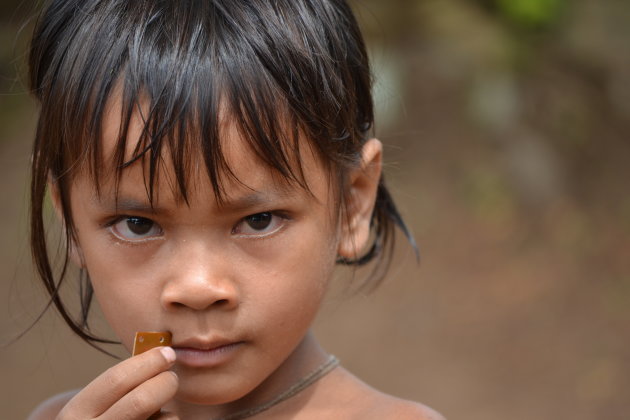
(359, 201)
(74, 251)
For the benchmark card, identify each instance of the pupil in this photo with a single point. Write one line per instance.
(259, 221)
(138, 225)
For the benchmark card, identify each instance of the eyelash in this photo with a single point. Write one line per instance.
(236, 230)
(111, 226)
(275, 215)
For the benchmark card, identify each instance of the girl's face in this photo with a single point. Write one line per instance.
(237, 284)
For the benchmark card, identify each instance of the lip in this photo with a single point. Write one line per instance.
(201, 353)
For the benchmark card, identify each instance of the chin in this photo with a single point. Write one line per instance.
(205, 397)
(210, 392)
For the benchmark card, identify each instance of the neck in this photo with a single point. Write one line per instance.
(306, 357)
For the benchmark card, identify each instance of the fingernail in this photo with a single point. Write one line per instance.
(169, 354)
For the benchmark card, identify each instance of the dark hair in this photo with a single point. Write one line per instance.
(279, 69)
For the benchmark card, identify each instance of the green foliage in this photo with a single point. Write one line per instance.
(487, 194)
(531, 13)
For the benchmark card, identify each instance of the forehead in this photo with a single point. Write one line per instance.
(181, 167)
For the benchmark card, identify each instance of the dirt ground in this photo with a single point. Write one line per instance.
(519, 308)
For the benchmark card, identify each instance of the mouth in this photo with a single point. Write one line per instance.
(205, 353)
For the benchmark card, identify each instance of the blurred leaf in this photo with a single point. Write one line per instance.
(487, 194)
(533, 13)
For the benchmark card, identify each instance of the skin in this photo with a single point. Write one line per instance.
(218, 278)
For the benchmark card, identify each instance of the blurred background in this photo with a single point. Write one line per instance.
(506, 128)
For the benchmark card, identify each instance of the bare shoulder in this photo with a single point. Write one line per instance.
(403, 410)
(383, 406)
(49, 409)
(361, 401)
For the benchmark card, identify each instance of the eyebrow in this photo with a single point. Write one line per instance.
(125, 204)
(255, 199)
(243, 202)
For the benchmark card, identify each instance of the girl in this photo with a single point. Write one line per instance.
(210, 162)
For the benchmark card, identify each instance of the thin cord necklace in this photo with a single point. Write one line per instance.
(303, 383)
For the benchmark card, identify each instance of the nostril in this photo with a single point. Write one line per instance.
(220, 302)
(198, 296)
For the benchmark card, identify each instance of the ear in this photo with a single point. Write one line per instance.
(360, 198)
(74, 251)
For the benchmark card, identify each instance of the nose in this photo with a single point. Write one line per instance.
(199, 280)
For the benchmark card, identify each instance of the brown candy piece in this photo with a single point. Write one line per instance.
(147, 340)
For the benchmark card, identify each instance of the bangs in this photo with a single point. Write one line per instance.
(190, 67)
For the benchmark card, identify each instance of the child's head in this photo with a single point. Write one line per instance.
(206, 152)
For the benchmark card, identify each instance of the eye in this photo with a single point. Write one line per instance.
(135, 229)
(259, 224)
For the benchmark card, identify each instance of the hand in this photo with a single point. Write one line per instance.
(134, 389)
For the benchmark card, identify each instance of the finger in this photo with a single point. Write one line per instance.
(164, 415)
(104, 391)
(144, 400)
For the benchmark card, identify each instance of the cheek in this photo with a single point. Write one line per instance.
(295, 280)
(125, 311)
(125, 301)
